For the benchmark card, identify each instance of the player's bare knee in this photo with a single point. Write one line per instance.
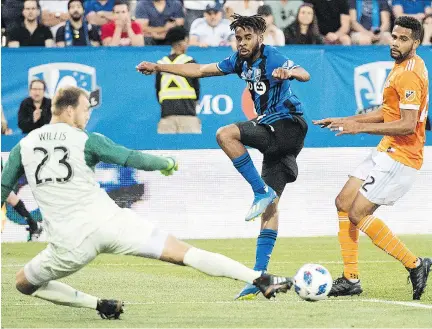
(22, 284)
(222, 135)
(342, 203)
(355, 215)
(174, 251)
(226, 133)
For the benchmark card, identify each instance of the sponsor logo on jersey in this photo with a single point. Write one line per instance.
(369, 83)
(58, 75)
(259, 87)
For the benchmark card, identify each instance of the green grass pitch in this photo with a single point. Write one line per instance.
(159, 295)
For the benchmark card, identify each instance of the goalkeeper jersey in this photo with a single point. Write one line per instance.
(59, 162)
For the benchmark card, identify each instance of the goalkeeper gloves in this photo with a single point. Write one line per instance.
(172, 166)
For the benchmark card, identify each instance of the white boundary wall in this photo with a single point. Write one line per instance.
(207, 198)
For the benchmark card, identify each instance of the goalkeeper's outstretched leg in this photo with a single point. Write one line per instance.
(129, 235)
(214, 264)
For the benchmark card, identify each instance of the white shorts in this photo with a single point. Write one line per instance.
(125, 234)
(385, 180)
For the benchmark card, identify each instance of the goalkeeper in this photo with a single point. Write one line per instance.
(81, 220)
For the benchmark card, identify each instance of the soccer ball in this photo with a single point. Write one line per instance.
(312, 282)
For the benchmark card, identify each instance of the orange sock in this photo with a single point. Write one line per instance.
(385, 239)
(348, 240)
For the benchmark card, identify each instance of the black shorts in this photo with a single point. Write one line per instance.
(280, 142)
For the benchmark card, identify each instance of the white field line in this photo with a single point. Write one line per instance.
(168, 264)
(383, 301)
(353, 301)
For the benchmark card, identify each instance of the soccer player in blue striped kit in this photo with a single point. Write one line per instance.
(278, 131)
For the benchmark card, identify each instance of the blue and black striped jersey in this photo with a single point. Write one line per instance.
(273, 99)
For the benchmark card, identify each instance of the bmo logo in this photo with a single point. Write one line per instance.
(259, 87)
(218, 104)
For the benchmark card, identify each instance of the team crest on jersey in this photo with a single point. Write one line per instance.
(251, 74)
(246, 75)
(58, 75)
(257, 75)
(369, 83)
(409, 95)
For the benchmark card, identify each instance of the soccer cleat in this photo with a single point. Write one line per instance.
(270, 285)
(109, 308)
(249, 292)
(419, 276)
(344, 287)
(260, 203)
(34, 232)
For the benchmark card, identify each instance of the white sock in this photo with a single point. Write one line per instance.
(219, 265)
(62, 294)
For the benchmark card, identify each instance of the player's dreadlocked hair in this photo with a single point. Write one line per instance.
(255, 22)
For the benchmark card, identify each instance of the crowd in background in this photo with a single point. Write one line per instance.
(63, 23)
(202, 23)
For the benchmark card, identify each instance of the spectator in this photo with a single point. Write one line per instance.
(195, 9)
(304, 30)
(54, 13)
(99, 12)
(241, 7)
(370, 22)
(11, 14)
(76, 31)
(5, 130)
(284, 11)
(273, 36)
(34, 111)
(122, 31)
(212, 30)
(415, 8)
(333, 20)
(427, 30)
(31, 33)
(177, 95)
(157, 17)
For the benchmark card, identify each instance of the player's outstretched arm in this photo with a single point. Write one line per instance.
(406, 125)
(298, 73)
(189, 70)
(100, 148)
(375, 116)
(166, 165)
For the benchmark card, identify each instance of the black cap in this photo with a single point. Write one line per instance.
(264, 10)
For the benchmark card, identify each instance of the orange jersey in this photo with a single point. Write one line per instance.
(406, 88)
